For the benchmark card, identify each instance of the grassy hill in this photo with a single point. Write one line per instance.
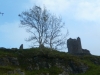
(46, 62)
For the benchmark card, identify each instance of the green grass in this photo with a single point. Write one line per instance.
(46, 53)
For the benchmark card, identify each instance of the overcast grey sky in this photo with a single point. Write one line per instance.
(81, 17)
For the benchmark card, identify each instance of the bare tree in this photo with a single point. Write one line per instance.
(55, 37)
(36, 21)
(45, 27)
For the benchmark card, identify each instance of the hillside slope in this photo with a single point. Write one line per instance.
(46, 62)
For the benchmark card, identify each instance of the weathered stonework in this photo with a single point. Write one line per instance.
(21, 46)
(74, 47)
(85, 51)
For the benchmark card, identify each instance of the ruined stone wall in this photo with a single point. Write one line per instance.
(75, 47)
(87, 52)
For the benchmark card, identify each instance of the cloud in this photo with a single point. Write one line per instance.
(55, 6)
(88, 10)
(77, 9)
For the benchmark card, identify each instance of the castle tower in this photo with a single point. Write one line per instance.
(69, 46)
(79, 45)
(74, 46)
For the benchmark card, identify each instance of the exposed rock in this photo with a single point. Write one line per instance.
(64, 73)
(30, 68)
(46, 63)
(37, 67)
(41, 74)
(44, 74)
(13, 60)
(49, 65)
(22, 73)
(10, 72)
(16, 71)
(64, 65)
(74, 68)
(4, 61)
(47, 74)
(40, 62)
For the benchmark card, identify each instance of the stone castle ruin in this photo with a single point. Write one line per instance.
(75, 47)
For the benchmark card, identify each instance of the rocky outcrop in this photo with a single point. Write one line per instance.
(48, 60)
(16, 71)
(5, 61)
(45, 62)
(64, 73)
